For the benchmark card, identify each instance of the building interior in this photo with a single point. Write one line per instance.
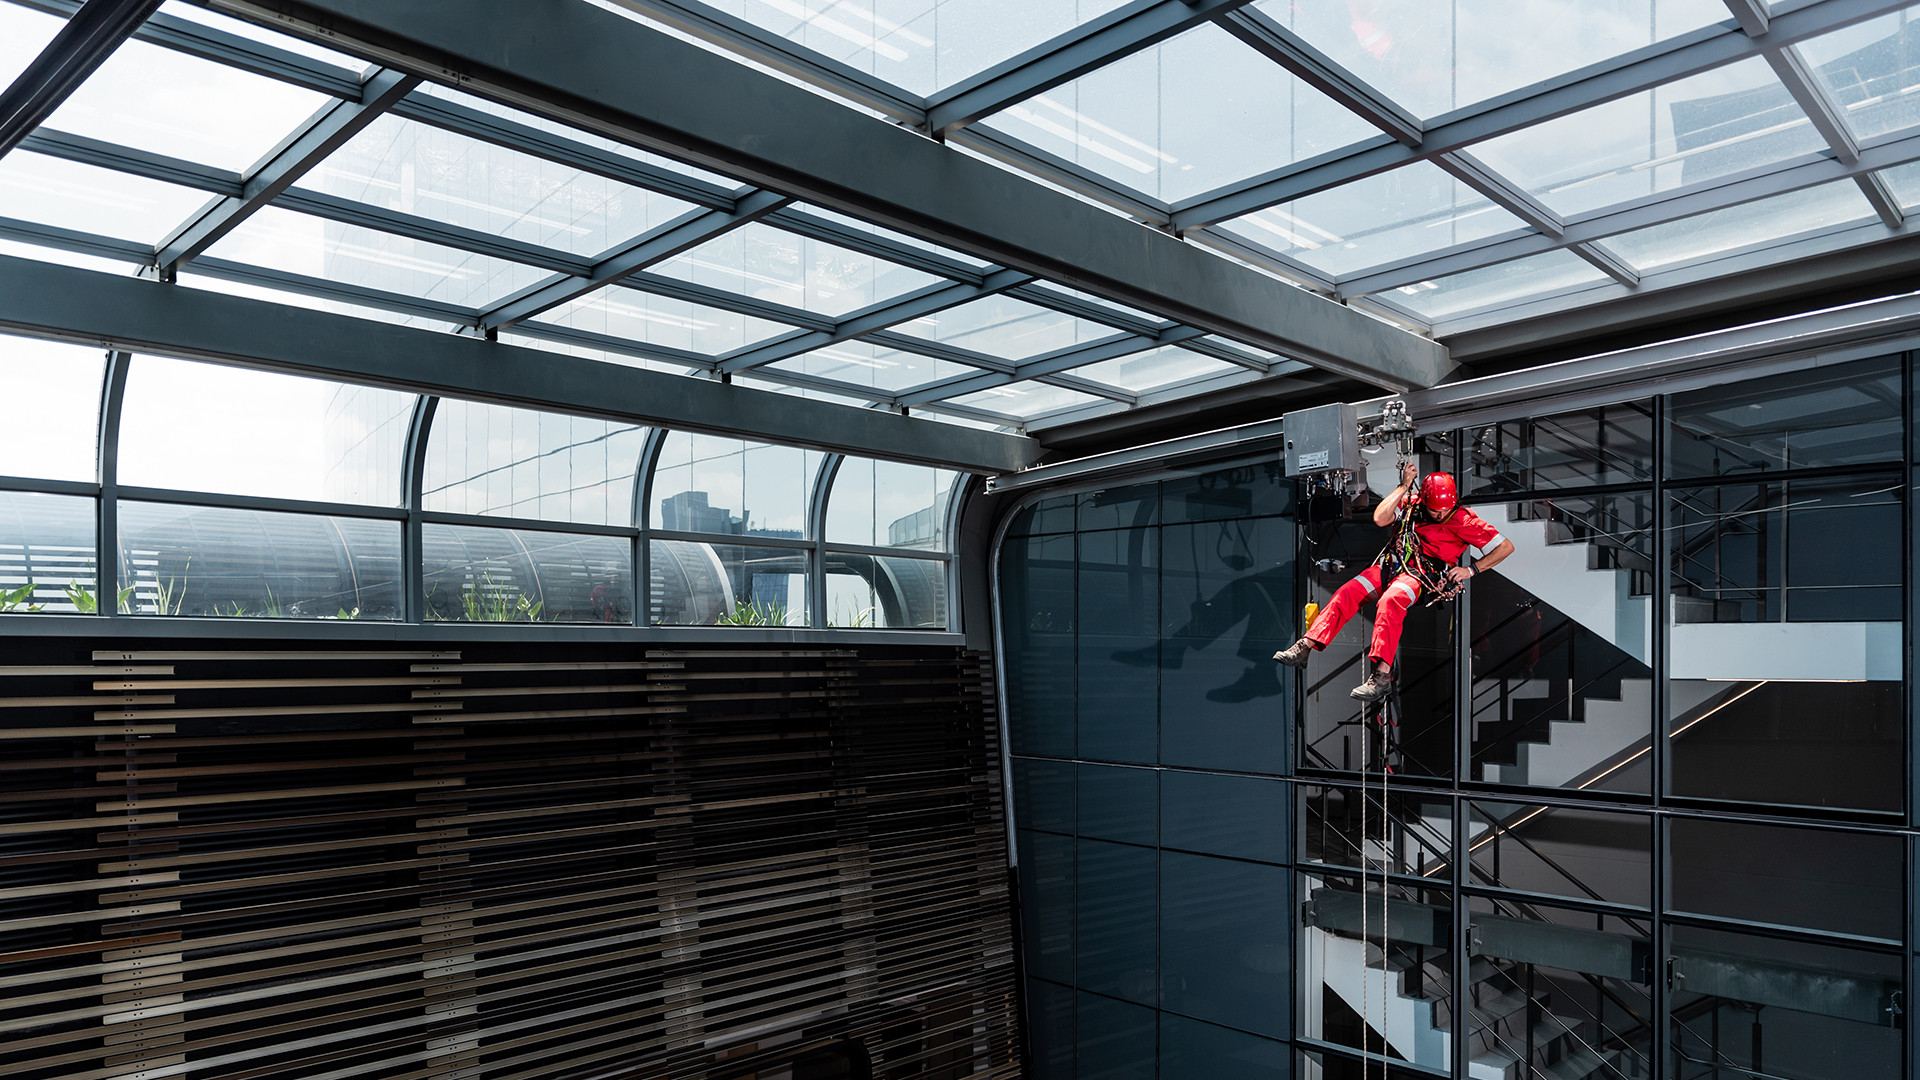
(658, 539)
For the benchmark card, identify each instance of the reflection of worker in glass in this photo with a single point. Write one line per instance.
(1444, 530)
(1258, 599)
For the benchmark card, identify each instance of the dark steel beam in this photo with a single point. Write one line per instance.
(796, 220)
(208, 43)
(368, 216)
(1315, 68)
(90, 36)
(1101, 41)
(325, 132)
(575, 63)
(145, 316)
(106, 155)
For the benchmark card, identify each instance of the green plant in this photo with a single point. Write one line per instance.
(274, 609)
(345, 614)
(482, 601)
(751, 613)
(849, 617)
(16, 599)
(86, 603)
(169, 597)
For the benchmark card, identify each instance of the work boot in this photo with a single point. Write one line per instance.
(1295, 655)
(1375, 687)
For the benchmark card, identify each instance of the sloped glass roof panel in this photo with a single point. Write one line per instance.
(1873, 70)
(1505, 283)
(1026, 399)
(1719, 122)
(658, 320)
(917, 45)
(23, 33)
(1163, 366)
(960, 257)
(190, 277)
(1434, 56)
(1188, 115)
(420, 169)
(59, 257)
(167, 102)
(53, 191)
(1413, 210)
(780, 267)
(1756, 224)
(301, 244)
(862, 363)
(1005, 328)
(587, 352)
(1132, 313)
(1904, 180)
(253, 32)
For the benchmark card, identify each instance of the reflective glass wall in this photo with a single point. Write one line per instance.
(224, 492)
(1646, 809)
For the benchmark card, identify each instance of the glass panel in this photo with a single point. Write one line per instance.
(1163, 366)
(434, 173)
(1118, 803)
(159, 100)
(1117, 908)
(1434, 57)
(1027, 400)
(1837, 415)
(193, 13)
(1755, 225)
(1006, 328)
(1904, 180)
(1344, 826)
(1497, 285)
(1054, 515)
(204, 427)
(55, 427)
(1562, 694)
(698, 584)
(882, 593)
(58, 257)
(301, 244)
(1248, 489)
(1223, 941)
(1562, 851)
(68, 195)
(1713, 124)
(765, 263)
(1115, 1040)
(1243, 817)
(699, 479)
(1745, 1004)
(47, 550)
(585, 352)
(1046, 904)
(863, 363)
(192, 560)
(1610, 444)
(1044, 795)
(192, 278)
(477, 574)
(1351, 987)
(1037, 594)
(23, 33)
(1119, 646)
(1785, 662)
(1413, 210)
(888, 234)
(1821, 879)
(1873, 70)
(643, 318)
(1559, 992)
(1188, 115)
(889, 504)
(491, 459)
(1131, 506)
(1191, 1048)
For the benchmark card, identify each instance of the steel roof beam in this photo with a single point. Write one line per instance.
(575, 63)
(1313, 67)
(106, 155)
(91, 35)
(209, 43)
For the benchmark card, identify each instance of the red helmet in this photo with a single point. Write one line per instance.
(1438, 493)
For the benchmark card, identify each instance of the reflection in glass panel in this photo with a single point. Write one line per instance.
(1558, 992)
(301, 244)
(47, 545)
(1043, 791)
(1608, 444)
(1006, 328)
(205, 427)
(1037, 628)
(1811, 551)
(697, 584)
(54, 428)
(194, 560)
(1566, 851)
(1154, 368)
(1243, 817)
(863, 363)
(69, 195)
(1046, 905)
(491, 459)
(712, 484)
(1223, 941)
(1185, 116)
(159, 100)
(1413, 210)
(1435, 56)
(643, 318)
(1027, 399)
(1408, 834)
(1820, 879)
(1844, 414)
(1192, 1048)
(1500, 284)
(1116, 918)
(765, 263)
(1118, 597)
(889, 504)
(1755, 225)
(1560, 645)
(883, 592)
(1361, 987)
(1746, 1004)
(441, 175)
(1873, 70)
(475, 574)
(1117, 802)
(1718, 122)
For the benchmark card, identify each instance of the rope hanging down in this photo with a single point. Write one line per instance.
(1379, 721)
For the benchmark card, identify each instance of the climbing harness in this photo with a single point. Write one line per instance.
(1404, 555)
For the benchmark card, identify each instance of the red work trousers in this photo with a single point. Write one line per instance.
(1387, 619)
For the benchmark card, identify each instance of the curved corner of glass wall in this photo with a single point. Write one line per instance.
(902, 516)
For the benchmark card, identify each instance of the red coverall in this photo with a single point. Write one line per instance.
(1444, 540)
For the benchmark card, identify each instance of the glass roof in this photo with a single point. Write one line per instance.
(766, 263)
(23, 33)
(1754, 224)
(1026, 400)
(1163, 366)
(864, 364)
(67, 194)
(1005, 328)
(639, 317)
(1873, 71)
(1502, 283)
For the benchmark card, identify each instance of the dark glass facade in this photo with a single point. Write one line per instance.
(1650, 809)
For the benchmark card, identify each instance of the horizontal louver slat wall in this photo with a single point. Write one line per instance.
(499, 862)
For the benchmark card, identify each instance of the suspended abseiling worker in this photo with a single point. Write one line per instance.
(1434, 530)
